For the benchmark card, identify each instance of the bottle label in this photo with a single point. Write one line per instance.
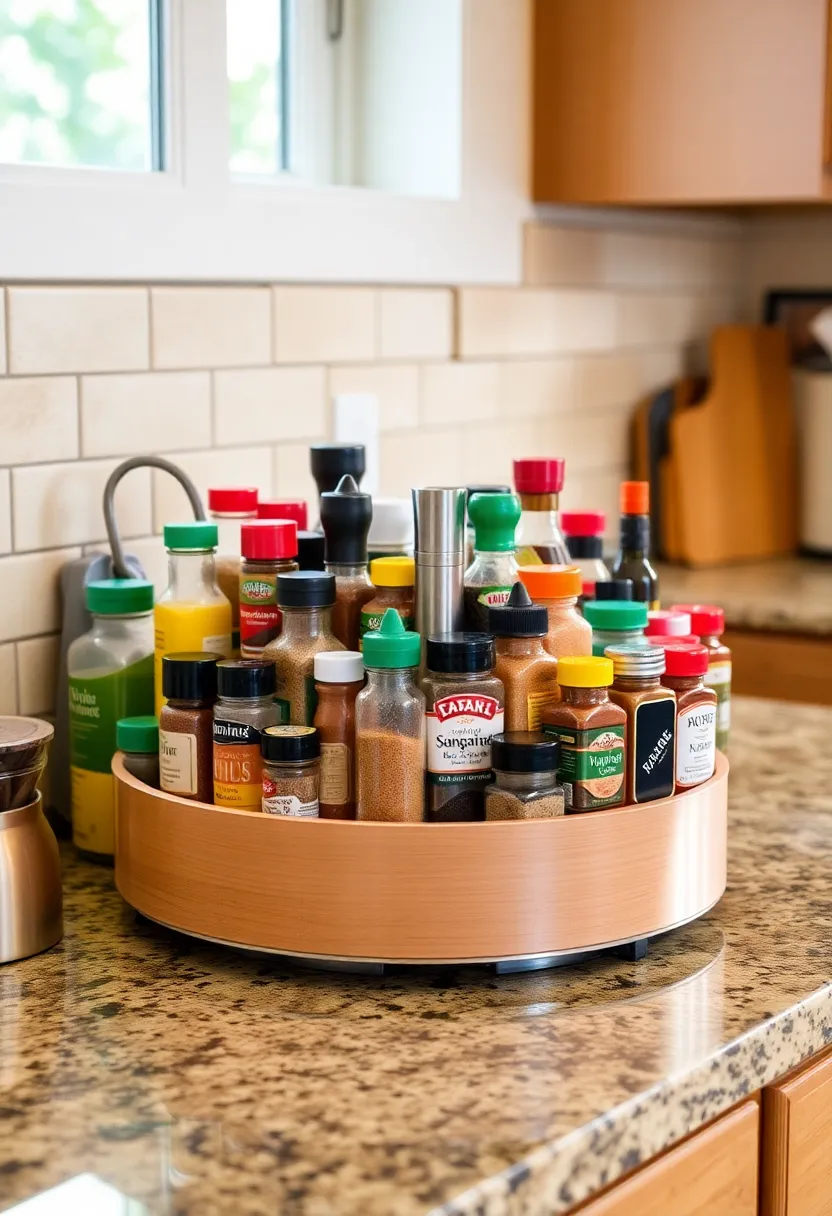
(591, 767)
(493, 597)
(238, 767)
(371, 623)
(536, 702)
(260, 618)
(286, 804)
(180, 627)
(695, 744)
(459, 732)
(718, 677)
(336, 774)
(177, 762)
(654, 749)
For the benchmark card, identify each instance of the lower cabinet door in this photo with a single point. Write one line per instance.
(714, 1173)
(797, 1143)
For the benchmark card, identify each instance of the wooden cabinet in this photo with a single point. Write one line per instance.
(714, 1173)
(796, 1155)
(787, 667)
(682, 101)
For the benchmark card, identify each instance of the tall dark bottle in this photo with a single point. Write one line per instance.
(346, 515)
(633, 558)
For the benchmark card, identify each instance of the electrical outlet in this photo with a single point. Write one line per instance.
(355, 420)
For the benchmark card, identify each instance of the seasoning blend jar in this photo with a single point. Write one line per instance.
(616, 623)
(269, 548)
(394, 580)
(464, 712)
(305, 597)
(138, 741)
(525, 782)
(696, 713)
(539, 537)
(192, 614)
(591, 733)
(708, 624)
(527, 671)
(345, 519)
(651, 720)
(339, 678)
(557, 589)
(229, 509)
(110, 671)
(493, 572)
(390, 727)
(186, 722)
(633, 558)
(584, 532)
(245, 706)
(291, 771)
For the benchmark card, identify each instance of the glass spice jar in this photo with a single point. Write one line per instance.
(539, 536)
(707, 622)
(696, 713)
(245, 706)
(186, 725)
(525, 782)
(591, 732)
(651, 720)
(493, 572)
(527, 671)
(269, 548)
(616, 623)
(291, 771)
(394, 579)
(558, 588)
(339, 678)
(464, 712)
(346, 514)
(305, 597)
(138, 741)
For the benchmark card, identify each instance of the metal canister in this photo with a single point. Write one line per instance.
(439, 513)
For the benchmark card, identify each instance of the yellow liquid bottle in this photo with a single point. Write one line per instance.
(193, 614)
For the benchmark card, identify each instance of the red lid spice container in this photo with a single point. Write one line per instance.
(591, 732)
(269, 548)
(667, 623)
(708, 624)
(539, 537)
(285, 508)
(696, 714)
(229, 507)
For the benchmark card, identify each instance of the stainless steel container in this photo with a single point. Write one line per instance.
(31, 916)
(439, 513)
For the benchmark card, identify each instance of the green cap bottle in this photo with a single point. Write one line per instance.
(495, 518)
(392, 645)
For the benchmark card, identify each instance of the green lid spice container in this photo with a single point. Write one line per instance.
(110, 672)
(138, 741)
(493, 572)
(390, 727)
(525, 782)
(306, 599)
(616, 623)
(291, 771)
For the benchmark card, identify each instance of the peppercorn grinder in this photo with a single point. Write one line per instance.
(440, 559)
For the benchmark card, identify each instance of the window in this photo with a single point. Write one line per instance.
(257, 85)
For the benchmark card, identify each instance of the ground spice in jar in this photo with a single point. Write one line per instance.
(392, 769)
(527, 671)
(558, 589)
(651, 720)
(305, 598)
(696, 713)
(525, 782)
(186, 721)
(245, 706)
(269, 547)
(138, 741)
(346, 515)
(591, 732)
(339, 678)
(707, 622)
(393, 579)
(291, 771)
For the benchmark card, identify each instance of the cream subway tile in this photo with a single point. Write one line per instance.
(585, 321)
(61, 504)
(460, 392)
(38, 419)
(489, 449)
(500, 321)
(416, 323)
(425, 457)
(195, 327)
(558, 256)
(77, 329)
(8, 679)
(324, 324)
(5, 511)
(651, 260)
(658, 319)
(33, 607)
(532, 387)
(606, 380)
(2, 331)
(591, 439)
(151, 553)
(244, 466)
(659, 368)
(396, 385)
(151, 412)
(292, 478)
(37, 673)
(727, 264)
(269, 404)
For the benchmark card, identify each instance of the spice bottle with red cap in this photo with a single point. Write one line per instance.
(633, 557)
(229, 508)
(696, 713)
(707, 622)
(584, 532)
(285, 508)
(539, 537)
(270, 547)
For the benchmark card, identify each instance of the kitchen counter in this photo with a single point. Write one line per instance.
(202, 1082)
(789, 595)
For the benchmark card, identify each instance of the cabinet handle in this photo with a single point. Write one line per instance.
(827, 111)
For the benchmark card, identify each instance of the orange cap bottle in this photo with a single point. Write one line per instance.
(635, 498)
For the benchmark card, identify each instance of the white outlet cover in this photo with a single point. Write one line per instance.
(355, 420)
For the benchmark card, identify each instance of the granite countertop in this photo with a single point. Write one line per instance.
(200, 1082)
(789, 595)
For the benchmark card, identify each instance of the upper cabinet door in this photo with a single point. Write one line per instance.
(681, 101)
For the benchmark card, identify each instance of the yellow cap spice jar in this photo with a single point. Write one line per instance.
(591, 732)
(394, 579)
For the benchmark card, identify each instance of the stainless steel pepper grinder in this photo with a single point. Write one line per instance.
(440, 559)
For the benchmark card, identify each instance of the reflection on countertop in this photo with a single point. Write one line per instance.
(199, 1081)
(787, 595)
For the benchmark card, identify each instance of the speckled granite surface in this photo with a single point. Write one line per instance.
(200, 1082)
(790, 595)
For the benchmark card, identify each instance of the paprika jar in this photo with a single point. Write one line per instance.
(269, 547)
(696, 713)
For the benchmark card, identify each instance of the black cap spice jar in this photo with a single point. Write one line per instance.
(306, 598)
(291, 771)
(189, 682)
(525, 782)
(527, 670)
(346, 515)
(245, 706)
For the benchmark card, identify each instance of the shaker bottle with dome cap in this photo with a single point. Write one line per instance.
(708, 624)
(539, 537)
(346, 514)
(633, 557)
(527, 671)
(470, 491)
(329, 462)
(558, 589)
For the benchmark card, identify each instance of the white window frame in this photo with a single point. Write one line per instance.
(195, 222)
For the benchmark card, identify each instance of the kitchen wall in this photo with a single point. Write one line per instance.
(783, 251)
(234, 382)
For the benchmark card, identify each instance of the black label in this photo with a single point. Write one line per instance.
(226, 731)
(654, 749)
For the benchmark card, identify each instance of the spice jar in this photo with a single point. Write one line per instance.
(616, 623)
(393, 579)
(525, 782)
(138, 741)
(584, 532)
(390, 727)
(285, 508)
(269, 548)
(291, 771)
(464, 711)
(345, 519)
(305, 597)
(527, 671)
(667, 623)
(557, 588)
(229, 508)
(651, 720)
(696, 713)
(591, 732)
(708, 624)
(493, 572)
(539, 536)
(186, 722)
(339, 678)
(245, 706)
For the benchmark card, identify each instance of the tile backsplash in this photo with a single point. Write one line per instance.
(234, 382)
